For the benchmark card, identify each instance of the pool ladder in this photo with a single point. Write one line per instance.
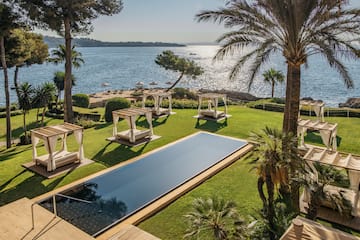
(54, 206)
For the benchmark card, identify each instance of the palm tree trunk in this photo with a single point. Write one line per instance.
(7, 94)
(270, 211)
(68, 113)
(16, 84)
(292, 99)
(37, 115)
(43, 116)
(176, 82)
(272, 89)
(260, 184)
(24, 124)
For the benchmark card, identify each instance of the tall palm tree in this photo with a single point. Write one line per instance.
(273, 76)
(58, 56)
(25, 101)
(295, 28)
(214, 217)
(273, 167)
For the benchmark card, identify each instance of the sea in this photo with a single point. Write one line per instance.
(114, 68)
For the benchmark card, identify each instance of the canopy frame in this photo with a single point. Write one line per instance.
(212, 110)
(130, 115)
(158, 100)
(50, 136)
(328, 132)
(316, 105)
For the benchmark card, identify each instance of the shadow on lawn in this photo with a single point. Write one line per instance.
(102, 125)
(211, 126)
(7, 154)
(31, 187)
(314, 137)
(118, 155)
(17, 132)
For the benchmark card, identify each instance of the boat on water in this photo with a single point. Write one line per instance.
(153, 83)
(105, 84)
(139, 84)
(169, 83)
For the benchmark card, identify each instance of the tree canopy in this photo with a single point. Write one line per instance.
(170, 61)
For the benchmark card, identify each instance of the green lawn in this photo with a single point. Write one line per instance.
(235, 182)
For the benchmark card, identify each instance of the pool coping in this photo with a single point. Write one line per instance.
(168, 198)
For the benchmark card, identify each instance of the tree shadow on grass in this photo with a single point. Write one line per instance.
(314, 137)
(31, 187)
(7, 154)
(17, 132)
(118, 155)
(102, 125)
(211, 126)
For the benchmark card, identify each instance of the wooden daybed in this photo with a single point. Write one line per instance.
(158, 97)
(132, 134)
(50, 136)
(212, 112)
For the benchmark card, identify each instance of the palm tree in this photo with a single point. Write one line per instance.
(42, 97)
(59, 79)
(297, 29)
(273, 76)
(273, 168)
(216, 217)
(60, 53)
(25, 102)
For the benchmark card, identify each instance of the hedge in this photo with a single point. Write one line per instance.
(81, 100)
(13, 113)
(115, 104)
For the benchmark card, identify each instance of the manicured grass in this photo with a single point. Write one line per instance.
(234, 183)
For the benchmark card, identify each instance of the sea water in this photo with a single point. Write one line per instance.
(110, 68)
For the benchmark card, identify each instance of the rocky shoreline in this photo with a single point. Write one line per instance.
(351, 103)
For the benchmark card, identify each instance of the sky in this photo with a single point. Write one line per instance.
(161, 20)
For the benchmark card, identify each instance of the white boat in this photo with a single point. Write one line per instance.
(105, 84)
(139, 84)
(153, 83)
(168, 83)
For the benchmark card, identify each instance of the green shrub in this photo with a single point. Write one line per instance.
(81, 100)
(183, 93)
(115, 104)
(13, 107)
(13, 113)
(85, 123)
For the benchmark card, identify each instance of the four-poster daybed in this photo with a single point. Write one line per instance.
(339, 160)
(158, 97)
(130, 115)
(212, 112)
(50, 135)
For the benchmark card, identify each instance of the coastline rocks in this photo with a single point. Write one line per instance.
(351, 103)
(233, 95)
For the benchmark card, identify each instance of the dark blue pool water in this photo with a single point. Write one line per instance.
(109, 198)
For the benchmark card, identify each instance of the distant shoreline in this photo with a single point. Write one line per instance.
(53, 42)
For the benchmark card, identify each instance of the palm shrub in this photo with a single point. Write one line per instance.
(214, 218)
(115, 104)
(81, 100)
(59, 78)
(274, 167)
(43, 96)
(25, 96)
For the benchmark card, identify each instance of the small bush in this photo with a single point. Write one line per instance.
(85, 123)
(13, 113)
(25, 139)
(183, 93)
(81, 100)
(13, 107)
(115, 104)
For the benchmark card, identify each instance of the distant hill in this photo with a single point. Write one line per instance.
(53, 42)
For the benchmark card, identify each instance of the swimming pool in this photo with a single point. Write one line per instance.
(103, 201)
